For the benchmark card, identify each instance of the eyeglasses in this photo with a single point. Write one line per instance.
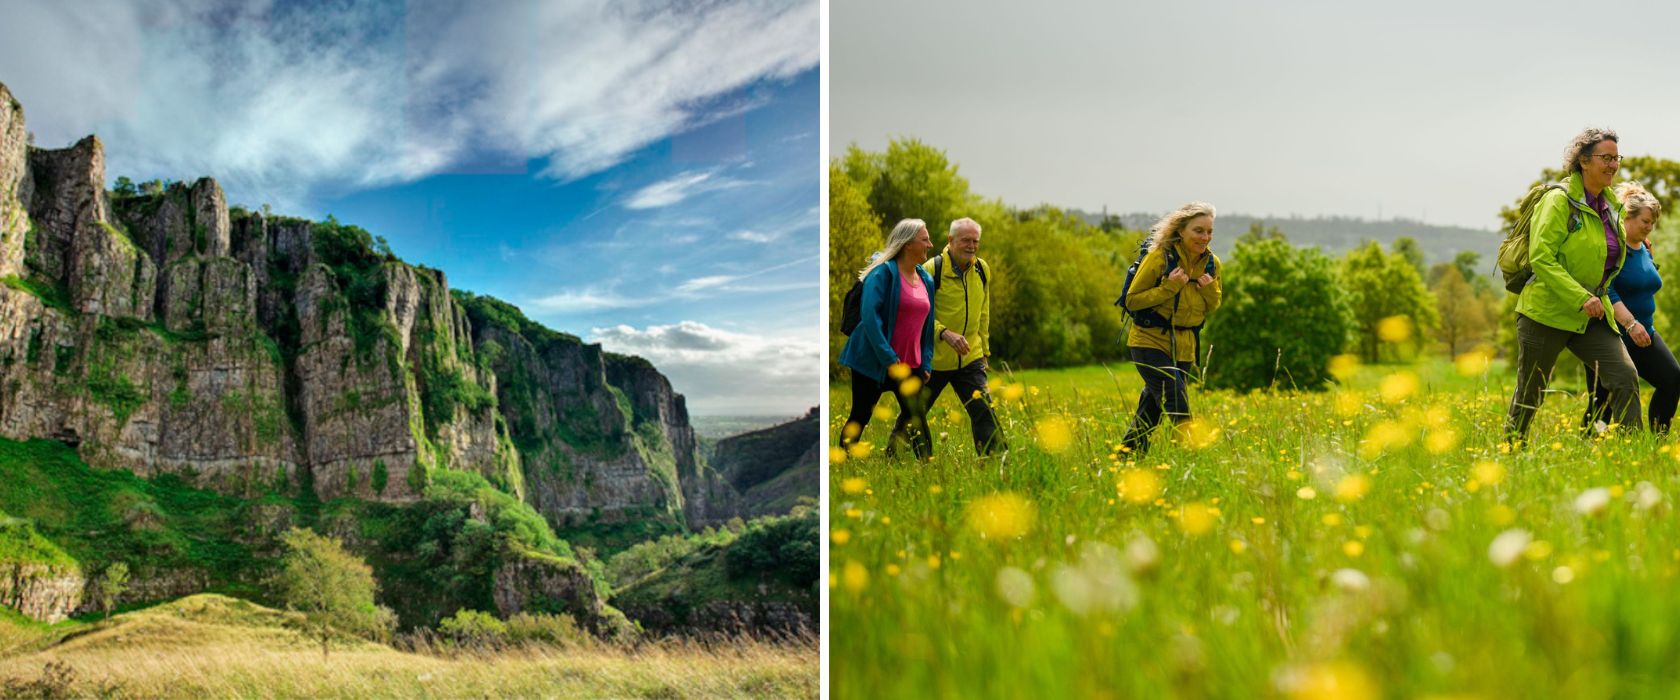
(1606, 157)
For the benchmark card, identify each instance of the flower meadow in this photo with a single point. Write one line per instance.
(1372, 540)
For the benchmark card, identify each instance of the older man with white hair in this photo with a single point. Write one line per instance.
(962, 320)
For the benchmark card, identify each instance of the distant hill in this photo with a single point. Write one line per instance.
(1336, 235)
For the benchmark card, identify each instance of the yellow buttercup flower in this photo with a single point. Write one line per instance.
(1352, 487)
(1197, 519)
(1054, 434)
(898, 371)
(1395, 329)
(1342, 367)
(1139, 485)
(1001, 515)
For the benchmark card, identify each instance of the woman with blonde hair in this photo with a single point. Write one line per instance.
(1178, 280)
(1633, 304)
(1576, 245)
(891, 349)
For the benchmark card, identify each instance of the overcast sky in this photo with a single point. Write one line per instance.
(643, 174)
(1440, 111)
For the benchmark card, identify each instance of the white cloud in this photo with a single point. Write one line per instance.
(722, 371)
(708, 282)
(588, 299)
(276, 101)
(753, 236)
(667, 192)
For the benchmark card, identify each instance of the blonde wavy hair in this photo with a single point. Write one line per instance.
(1171, 227)
(901, 234)
(1583, 144)
(1636, 200)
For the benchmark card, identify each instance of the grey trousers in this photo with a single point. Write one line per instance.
(1599, 348)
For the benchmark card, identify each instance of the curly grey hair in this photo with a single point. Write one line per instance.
(1584, 144)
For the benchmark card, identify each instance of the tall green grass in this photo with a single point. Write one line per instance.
(1334, 544)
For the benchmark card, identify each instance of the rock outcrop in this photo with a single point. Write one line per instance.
(43, 592)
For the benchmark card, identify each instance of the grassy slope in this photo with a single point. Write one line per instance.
(1250, 593)
(99, 517)
(213, 646)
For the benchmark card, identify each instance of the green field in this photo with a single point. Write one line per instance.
(1369, 541)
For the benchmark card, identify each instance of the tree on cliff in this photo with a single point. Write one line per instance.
(331, 587)
(112, 582)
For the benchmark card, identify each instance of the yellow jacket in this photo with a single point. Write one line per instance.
(1195, 303)
(962, 306)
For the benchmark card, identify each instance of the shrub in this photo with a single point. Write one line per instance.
(1251, 344)
(471, 628)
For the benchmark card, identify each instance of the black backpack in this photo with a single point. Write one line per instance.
(852, 310)
(1150, 318)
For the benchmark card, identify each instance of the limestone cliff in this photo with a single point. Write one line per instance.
(160, 331)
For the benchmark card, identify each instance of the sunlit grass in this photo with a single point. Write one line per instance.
(210, 646)
(1373, 540)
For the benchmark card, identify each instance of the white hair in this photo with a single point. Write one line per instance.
(963, 223)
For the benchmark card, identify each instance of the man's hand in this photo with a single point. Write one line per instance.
(1594, 308)
(956, 341)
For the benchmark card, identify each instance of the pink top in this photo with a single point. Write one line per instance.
(907, 328)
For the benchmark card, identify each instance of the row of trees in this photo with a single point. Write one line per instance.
(1287, 309)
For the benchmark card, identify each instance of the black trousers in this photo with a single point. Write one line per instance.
(912, 415)
(970, 384)
(1658, 368)
(1164, 390)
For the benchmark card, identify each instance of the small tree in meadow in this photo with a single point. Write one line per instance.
(1283, 317)
(331, 587)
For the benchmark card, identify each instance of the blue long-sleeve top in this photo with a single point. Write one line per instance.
(1636, 287)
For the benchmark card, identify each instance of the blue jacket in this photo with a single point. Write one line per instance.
(867, 349)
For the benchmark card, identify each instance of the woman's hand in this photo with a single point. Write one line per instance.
(1178, 275)
(1204, 280)
(1594, 308)
(1641, 337)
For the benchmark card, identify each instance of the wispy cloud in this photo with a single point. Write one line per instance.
(666, 192)
(753, 236)
(279, 100)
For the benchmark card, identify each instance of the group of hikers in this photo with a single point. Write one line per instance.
(916, 324)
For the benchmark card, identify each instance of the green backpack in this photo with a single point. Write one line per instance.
(1513, 252)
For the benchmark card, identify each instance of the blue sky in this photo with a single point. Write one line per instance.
(643, 175)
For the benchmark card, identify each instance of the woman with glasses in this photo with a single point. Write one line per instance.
(1576, 247)
(1633, 303)
(891, 349)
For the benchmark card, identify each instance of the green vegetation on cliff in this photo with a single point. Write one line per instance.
(98, 517)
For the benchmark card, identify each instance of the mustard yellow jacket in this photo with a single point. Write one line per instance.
(1195, 303)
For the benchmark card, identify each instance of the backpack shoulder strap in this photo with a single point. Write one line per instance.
(938, 267)
(980, 265)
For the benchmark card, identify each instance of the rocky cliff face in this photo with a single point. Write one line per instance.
(763, 472)
(161, 332)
